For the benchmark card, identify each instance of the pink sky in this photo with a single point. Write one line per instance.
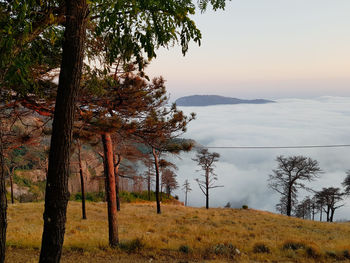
(265, 48)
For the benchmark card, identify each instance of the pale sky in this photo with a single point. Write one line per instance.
(264, 49)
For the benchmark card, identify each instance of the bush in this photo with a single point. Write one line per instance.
(184, 249)
(91, 196)
(312, 252)
(244, 206)
(346, 254)
(331, 254)
(227, 250)
(261, 248)
(293, 245)
(132, 245)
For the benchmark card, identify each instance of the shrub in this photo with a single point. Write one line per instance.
(293, 245)
(261, 248)
(227, 250)
(184, 249)
(346, 254)
(312, 252)
(244, 206)
(133, 245)
(331, 254)
(90, 196)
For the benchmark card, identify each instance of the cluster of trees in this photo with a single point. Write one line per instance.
(289, 177)
(37, 37)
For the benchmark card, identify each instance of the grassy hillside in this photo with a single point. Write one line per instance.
(180, 234)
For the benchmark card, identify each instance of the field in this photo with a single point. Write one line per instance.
(180, 234)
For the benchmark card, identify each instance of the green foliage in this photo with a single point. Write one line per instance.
(90, 196)
(22, 181)
(31, 34)
(125, 197)
(130, 197)
(244, 207)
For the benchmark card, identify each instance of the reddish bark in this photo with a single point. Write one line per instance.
(110, 190)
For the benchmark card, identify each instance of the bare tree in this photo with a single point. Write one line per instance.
(206, 161)
(286, 178)
(304, 209)
(187, 188)
(346, 183)
(330, 198)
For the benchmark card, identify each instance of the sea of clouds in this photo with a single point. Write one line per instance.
(244, 172)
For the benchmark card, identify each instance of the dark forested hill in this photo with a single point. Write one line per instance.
(207, 100)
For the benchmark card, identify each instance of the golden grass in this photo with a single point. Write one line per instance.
(206, 234)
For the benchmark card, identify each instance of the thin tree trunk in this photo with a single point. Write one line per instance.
(57, 195)
(10, 173)
(156, 164)
(3, 200)
(11, 186)
(321, 214)
(186, 198)
(332, 215)
(289, 201)
(207, 190)
(149, 186)
(83, 209)
(110, 190)
(117, 181)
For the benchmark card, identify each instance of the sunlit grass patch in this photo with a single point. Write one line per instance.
(185, 232)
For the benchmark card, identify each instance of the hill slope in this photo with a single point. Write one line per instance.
(207, 100)
(180, 234)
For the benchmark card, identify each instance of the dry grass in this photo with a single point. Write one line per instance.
(180, 233)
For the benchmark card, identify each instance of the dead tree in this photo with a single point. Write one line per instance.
(286, 179)
(187, 188)
(206, 161)
(346, 183)
(330, 197)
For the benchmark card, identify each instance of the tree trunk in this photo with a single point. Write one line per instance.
(321, 214)
(332, 215)
(289, 201)
(186, 198)
(57, 195)
(207, 189)
(110, 190)
(328, 211)
(156, 165)
(3, 201)
(83, 209)
(117, 183)
(11, 186)
(149, 186)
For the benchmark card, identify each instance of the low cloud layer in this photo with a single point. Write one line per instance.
(244, 172)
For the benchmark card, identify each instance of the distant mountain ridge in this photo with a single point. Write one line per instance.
(208, 100)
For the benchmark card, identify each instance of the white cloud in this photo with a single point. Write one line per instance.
(244, 173)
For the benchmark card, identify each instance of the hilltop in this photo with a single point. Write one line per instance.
(180, 234)
(207, 100)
